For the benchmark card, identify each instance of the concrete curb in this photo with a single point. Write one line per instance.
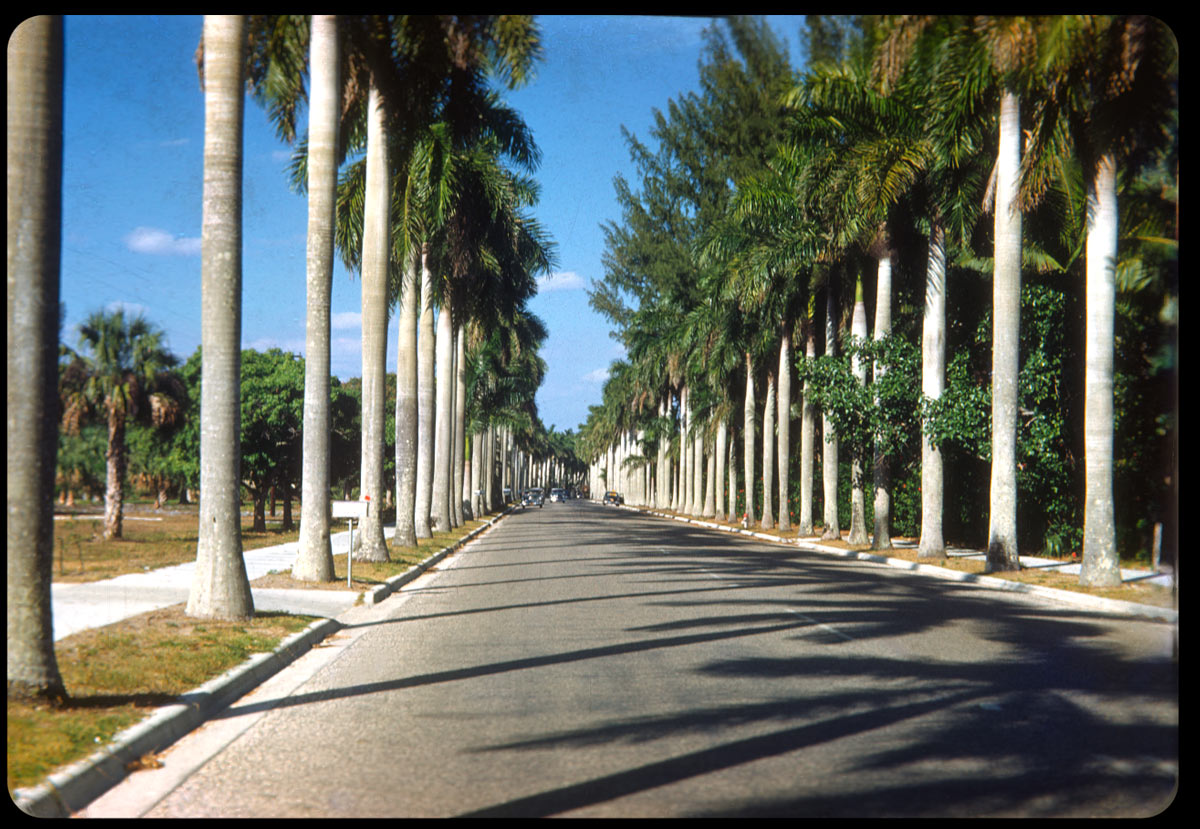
(75, 786)
(1085, 600)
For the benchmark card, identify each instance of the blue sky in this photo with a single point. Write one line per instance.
(133, 166)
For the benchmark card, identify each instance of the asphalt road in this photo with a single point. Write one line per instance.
(580, 660)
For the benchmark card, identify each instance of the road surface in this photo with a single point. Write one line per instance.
(586, 661)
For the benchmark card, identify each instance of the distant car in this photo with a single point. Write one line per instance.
(558, 495)
(533, 498)
(612, 497)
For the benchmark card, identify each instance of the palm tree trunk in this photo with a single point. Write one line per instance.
(785, 426)
(114, 473)
(370, 540)
(710, 486)
(748, 440)
(1006, 321)
(807, 439)
(35, 81)
(439, 516)
(457, 498)
(768, 454)
(829, 448)
(731, 507)
(933, 380)
(406, 409)
(425, 403)
(1101, 564)
(314, 556)
(719, 476)
(220, 589)
(858, 496)
(697, 468)
(882, 535)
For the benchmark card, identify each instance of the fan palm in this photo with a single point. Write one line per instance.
(125, 373)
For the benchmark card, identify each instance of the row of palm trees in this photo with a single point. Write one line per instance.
(431, 216)
(898, 146)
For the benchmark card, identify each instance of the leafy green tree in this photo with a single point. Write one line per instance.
(272, 414)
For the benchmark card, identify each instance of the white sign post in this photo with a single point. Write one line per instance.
(351, 510)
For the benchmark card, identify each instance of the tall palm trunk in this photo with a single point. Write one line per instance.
(1101, 564)
(748, 441)
(858, 496)
(882, 536)
(784, 426)
(314, 557)
(829, 449)
(425, 403)
(731, 507)
(807, 437)
(458, 497)
(933, 381)
(406, 408)
(697, 468)
(220, 589)
(372, 545)
(768, 454)
(1006, 328)
(721, 452)
(439, 516)
(685, 452)
(662, 491)
(35, 81)
(710, 486)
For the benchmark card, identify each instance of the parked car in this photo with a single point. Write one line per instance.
(507, 494)
(558, 495)
(533, 497)
(612, 497)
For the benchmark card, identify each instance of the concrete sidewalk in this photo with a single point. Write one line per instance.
(77, 607)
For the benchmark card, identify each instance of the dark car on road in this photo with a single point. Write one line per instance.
(612, 497)
(533, 498)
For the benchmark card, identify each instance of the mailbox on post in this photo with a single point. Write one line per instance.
(351, 510)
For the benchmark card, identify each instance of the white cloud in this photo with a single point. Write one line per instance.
(160, 243)
(563, 281)
(597, 376)
(345, 319)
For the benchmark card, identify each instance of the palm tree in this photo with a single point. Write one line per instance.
(35, 77)
(314, 558)
(1110, 81)
(376, 242)
(220, 589)
(125, 369)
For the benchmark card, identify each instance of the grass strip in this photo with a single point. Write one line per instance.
(118, 674)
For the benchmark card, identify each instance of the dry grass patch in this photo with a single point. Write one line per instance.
(152, 539)
(118, 674)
